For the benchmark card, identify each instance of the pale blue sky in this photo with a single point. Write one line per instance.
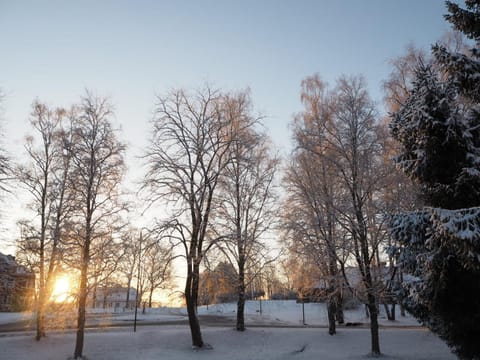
(131, 50)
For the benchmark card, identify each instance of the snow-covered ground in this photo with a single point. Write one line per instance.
(289, 312)
(9, 317)
(265, 343)
(173, 343)
(277, 312)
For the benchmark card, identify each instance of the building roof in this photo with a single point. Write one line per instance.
(9, 265)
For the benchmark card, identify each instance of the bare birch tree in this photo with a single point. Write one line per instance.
(357, 156)
(313, 189)
(129, 244)
(311, 229)
(98, 167)
(106, 255)
(349, 142)
(246, 202)
(45, 178)
(187, 155)
(157, 267)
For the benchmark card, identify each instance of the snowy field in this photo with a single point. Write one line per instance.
(277, 312)
(289, 312)
(173, 343)
(402, 339)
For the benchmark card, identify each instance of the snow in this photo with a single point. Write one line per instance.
(274, 312)
(463, 224)
(402, 339)
(459, 229)
(289, 312)
(173, 343)
(10, 317)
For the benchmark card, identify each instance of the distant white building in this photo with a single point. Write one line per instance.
(116, 298)
(17, 285)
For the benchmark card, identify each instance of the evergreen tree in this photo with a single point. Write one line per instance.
(438, 127)
(437, 148)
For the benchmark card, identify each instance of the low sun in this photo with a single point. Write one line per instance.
(62, 290)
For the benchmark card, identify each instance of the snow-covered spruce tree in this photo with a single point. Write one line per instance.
(438, 127)
(438, 150)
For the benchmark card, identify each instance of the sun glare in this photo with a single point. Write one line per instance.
(62, 290)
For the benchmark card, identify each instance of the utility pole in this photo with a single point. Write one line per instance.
(303, 311)
(138, 283)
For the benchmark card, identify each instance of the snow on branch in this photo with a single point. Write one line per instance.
(431, 228)
(410, 227)
(461, 229)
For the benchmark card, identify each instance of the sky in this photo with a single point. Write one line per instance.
(131, 51)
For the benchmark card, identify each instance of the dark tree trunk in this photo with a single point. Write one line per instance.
(127, 298)
(40, 315)
(150, 296)
(41, 293)
(402, 308)
(105, 296)
(387, 310)
(363, 261)
(82, 300)
(41, 299)
(334, 306)
(241, 298)
(339, 308)
(46, 285)
(372, 307)
(390, 311)
(241, 313)
(331, 302)
(191, 300)
(94, 295)
(331, 310)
